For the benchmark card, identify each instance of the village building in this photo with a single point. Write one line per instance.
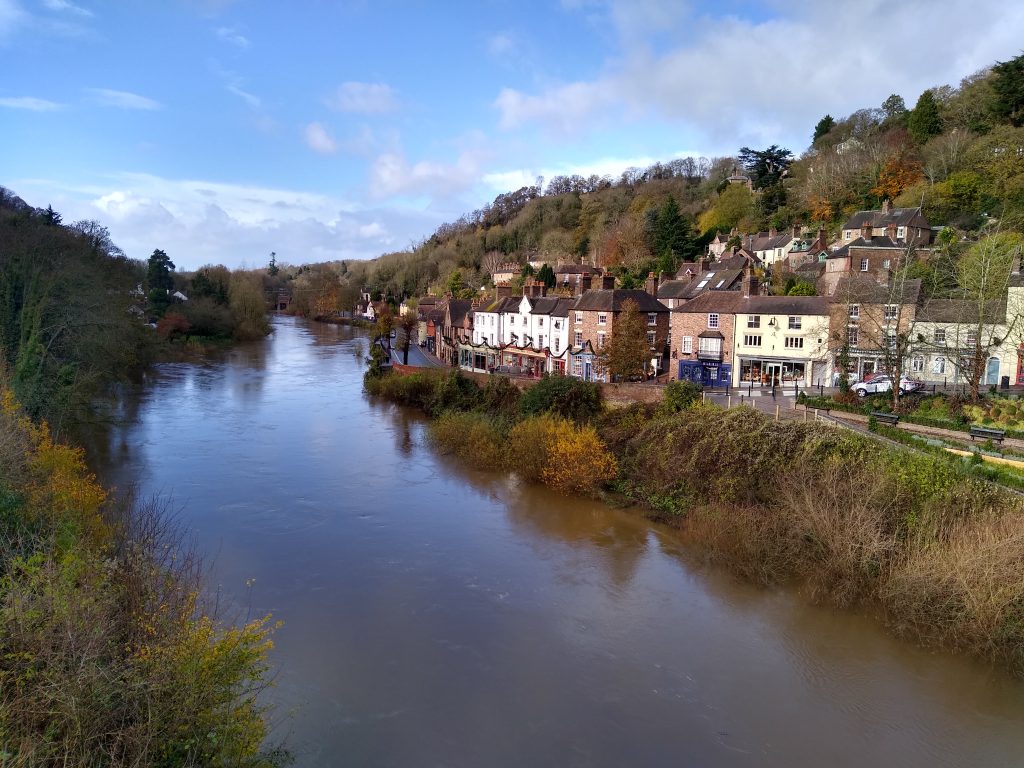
(907, 225)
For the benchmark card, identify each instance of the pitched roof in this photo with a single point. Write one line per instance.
(577, 269)
(961, 311)
(764, 241)
(611, 300)
(899, 217)
(734, 302)
(457, 310)
(504, 304)
(865, 290)
(712, 280)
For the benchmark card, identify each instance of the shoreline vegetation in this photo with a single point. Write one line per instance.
(854, 522)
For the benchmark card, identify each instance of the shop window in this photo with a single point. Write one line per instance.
(917, 364)
(939, 364)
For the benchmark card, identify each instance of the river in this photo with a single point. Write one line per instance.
(437, 616)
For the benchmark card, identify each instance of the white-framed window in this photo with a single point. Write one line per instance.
(972, 338)
(940, 336)
(600, 340)
(751, 341)
(890, 338)
(652, 318)
(650, 338)
(540, 341)
(602, 318)
(891, 311)
(901, 232)
(794, 342)
(713, 320)
(753, 321)
(577, 367)
(938, 364)
(852, 336)
(887, 263)
(512, 320)
(579, 318)
(492, 339)
(540, 322)
(577, 338)
(710, 346)
(917, 363)
(854, 311)
(864, 264)
(795, 323)
(687, 345)
(847, 234)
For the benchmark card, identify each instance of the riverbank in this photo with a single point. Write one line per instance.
(856, 523)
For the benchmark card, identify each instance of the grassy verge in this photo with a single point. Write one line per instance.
(855, 522)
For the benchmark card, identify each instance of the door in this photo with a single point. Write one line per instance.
(992, 372)
(867, 369)
(773, 374)
(586, 371)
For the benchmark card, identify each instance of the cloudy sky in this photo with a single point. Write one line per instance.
(222, 130)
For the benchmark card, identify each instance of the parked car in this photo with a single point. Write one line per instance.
(882, 382)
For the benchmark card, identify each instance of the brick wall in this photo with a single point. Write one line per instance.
(693, 324)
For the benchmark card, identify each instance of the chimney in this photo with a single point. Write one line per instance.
(866, 230)
(704, 265)
(772, 232)
(750, 287)
(651, 284)
(607, 282)
(890, 231)
(822, 238)
(582, 284)
(796, 231)
(886, 205)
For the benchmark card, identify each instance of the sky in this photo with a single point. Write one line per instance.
(223, 130)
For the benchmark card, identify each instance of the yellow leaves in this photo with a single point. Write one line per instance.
(896, 175)
(578, 462)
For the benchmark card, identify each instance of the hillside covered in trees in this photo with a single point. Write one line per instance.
(958, 152)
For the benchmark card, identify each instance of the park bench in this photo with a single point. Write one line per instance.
(987, 433)
(885, 418)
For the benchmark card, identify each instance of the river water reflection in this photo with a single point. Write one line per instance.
(436, 616)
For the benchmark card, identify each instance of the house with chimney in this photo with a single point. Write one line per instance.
(906, 226)
(773, 246)
(456, 328)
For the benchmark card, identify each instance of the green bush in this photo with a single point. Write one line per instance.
(680, 395)
(474, 438)
(563, 396)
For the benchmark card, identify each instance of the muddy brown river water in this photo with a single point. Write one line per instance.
(436, 616)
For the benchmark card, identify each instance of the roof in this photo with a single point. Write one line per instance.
(899, 217)
(961, 311)
(734, 303)
(711, 280)
(764, 241)
(865, 290)
(577, 269)
(552, 305)
(611, 300)
(458, 309)
(505, 304)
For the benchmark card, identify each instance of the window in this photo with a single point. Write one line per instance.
(972, 338)
(600, 340)
(940, 335)
(854, 311)
(864, 265)
(901, 232)
(847, 234)
(891, 311)
(602, 318)
(710, 346)
(751, 341)
(753, 321)
(577, 338)
(794, 342)
(938, 364)
(540, 341)
(579, 318)
(687, 345)
(577, 367)
(652, 318)
(540, 322)
(512, 320)
(650, 338)
(852, 337)
(492, 339)
(713, 320)
(890, 339)
(887, 263)
(795, 323)
(916, 364)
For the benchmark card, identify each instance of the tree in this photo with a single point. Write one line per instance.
(158, 272)
(924, 121)
(408, 323)
(894, 109)
(898, 173)
(766, 167)
(823, 126)
(1009, 90)
(546, 275)
(671, 234)
(50, 217)
(272, 269)
(626, 353)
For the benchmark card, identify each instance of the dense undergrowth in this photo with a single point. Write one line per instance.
(108, 656)
(851, 520)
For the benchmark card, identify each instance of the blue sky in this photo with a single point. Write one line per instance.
(222, 130)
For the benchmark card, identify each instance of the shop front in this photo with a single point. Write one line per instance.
(482, 358)
(777, 372)
(525, 362)
(707, 374)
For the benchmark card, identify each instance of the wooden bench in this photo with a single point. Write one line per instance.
(885, 418)
(987, 433)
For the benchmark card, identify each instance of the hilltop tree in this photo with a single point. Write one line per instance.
(626, 353)
(1009, 90)
(671, 234)
(924, 121)
(823, 126)
(272, 269)
(894, 110)
(767, 166)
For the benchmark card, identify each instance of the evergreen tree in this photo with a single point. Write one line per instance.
(546, 275)
(272, 269)
(672, 233)
(826, 124)
(894, 109)
(1008, 85)
(924, 121)
(158, 272)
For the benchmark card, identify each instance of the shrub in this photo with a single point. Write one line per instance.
(454, 392)
(578, 461)
(680, 395)
(208, 318)
(536, 435)
(471, 437)
(500, 395)
(562, 396)
(172, 325)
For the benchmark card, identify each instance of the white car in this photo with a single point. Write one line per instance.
(883, 383)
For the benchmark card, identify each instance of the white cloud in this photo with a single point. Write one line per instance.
(234, 83)
(199, 222)
(392, 175)
(319, 140)
(64, 6)
(121, 99)
(232, 36)
(365, 98)
(30, 103)
(736, 80)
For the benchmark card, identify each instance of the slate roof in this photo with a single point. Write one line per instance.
(505, 304)
(864, 290)
(721, 280)
(555, 306)
(763, 241)
(961, 311)
(577, 269)
(611, 300)
(900, 217)
(734, 302)
(458, 309)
